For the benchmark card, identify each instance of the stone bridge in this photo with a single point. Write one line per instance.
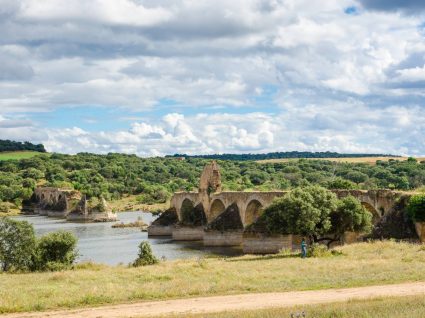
(211, 201)
(251, 204)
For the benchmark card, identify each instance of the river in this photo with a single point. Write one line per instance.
(100, 243)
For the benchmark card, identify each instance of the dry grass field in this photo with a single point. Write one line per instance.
(362, 264)
(398, 307)
(368, 160)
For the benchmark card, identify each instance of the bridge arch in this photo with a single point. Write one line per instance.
(192, 214)
(375, 213)
(217, 207)
(252, 212)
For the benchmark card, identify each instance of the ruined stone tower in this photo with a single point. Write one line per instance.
(210, 181)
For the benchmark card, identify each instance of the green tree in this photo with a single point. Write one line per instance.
(17, 245)
(56, 251)
(416, 208)
(145, 256)
(304, 211)
(350, 215)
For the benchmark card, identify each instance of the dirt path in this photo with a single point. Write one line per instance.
(233, 302)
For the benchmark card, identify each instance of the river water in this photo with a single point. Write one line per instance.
(100, 243)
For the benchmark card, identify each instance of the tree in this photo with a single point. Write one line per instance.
(350, 215)
(145, 256)
(416, 208)
(303, 211)
(56, 251)
(17, 245)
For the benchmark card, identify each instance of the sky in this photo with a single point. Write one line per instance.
(157, 77)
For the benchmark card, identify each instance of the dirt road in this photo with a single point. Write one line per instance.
(233, 302)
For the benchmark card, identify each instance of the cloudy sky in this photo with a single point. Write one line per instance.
(156, 77)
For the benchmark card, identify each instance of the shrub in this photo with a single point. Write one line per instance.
(17, 245)
(416, 208)
(56, 251)
(318, 250)
(145, 256)
(4, 207)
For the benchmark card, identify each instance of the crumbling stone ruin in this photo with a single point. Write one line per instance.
(69, 204)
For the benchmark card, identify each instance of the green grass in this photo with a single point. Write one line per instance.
(360, 265)
(17, 155)
(398, 307)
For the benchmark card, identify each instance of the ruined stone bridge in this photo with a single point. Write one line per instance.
(250, 204)
(220, 218)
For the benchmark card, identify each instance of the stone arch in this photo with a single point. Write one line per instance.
(252, 212)
(375, 213)
(228, 220)
(191, 214)
(217, 207)
(186, 209)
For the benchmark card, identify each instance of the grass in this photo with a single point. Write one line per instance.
(91, 284)
(17, 155)
(368, 160)
(391, 307)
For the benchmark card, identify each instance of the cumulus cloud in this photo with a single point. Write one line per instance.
(301, 71)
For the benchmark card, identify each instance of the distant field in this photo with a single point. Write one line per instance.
(368, 160)
(16, 155)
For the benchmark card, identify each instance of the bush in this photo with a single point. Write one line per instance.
(56, 251)
(318, 250)
(4, 207)
(145, 256)
(17, 245)
(416, 208)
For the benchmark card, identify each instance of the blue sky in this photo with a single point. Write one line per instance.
(162, 77)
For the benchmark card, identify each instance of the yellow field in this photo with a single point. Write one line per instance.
(368, 160)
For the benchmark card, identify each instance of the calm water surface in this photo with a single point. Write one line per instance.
(100, 243)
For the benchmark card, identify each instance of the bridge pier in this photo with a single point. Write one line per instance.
(226, 238)
(188, 233)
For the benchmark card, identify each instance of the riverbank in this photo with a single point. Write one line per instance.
(362, 264)
(131, 204)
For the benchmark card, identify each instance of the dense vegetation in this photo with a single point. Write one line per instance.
(416, 208)
(279, 155)
(21, 251)
(154, 179)
(9, 145)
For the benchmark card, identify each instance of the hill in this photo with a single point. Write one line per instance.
(10, 145)
(280, 155)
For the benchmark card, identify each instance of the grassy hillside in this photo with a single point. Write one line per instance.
(18, 155)
(359, 265)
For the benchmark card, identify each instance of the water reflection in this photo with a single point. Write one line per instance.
(101, 243)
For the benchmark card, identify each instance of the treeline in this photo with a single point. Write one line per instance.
(153, 180)
(10, 145)
(279, 155)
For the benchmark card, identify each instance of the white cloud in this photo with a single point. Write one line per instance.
(326, 69)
